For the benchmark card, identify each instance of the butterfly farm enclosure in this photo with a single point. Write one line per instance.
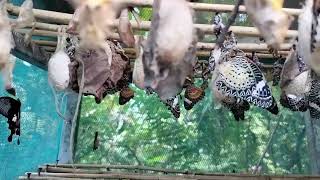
(159, 89)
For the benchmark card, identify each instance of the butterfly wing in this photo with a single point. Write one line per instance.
(243, 79)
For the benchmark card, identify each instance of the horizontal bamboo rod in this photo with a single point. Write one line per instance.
(49, 33)
(130, 52)
(45, 43)
(148, 3)
(48, 178)
(64, 18)
(48, 16)
(134, 167)
(247, 47)
(146, 176)
(207, 7)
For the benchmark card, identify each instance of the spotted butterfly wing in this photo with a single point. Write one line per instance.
(314, 99)
(7, 104)
(243, 79)
(10, 108)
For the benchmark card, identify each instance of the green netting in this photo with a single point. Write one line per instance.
(144, 132)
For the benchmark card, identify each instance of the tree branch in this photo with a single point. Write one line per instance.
(231, 20)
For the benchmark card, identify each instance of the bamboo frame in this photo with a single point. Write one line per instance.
(207, 7)
(50, 30)
(87, 171)
(136, 176)
(246, 47)
(64, 18)
(130, 52)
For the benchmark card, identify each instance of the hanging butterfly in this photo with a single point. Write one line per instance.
(10, 108)
(126, 94)
(238, 81)
(276, 71)
(295, 82)
(194, 94)
(173, 105)
(314, 98)
(218, 25)
(308, 33)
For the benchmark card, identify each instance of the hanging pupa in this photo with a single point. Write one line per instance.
(73, 24)
(169, 52)
(94, 20)
(295, 82)
(125, 29)
(270, 19)
(10, 107)
(26, 16)
(138, 71)
(6, 44)
(308, 33)
(58, 66)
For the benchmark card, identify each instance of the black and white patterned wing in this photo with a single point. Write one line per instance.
(6, 103)
(294, 103)
(314, 99)
(243, 79)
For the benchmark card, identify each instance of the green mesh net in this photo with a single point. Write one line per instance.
(144, 132)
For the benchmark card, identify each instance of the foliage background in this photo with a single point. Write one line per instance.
(143, 132)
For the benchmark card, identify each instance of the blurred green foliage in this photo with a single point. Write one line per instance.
(143, 132)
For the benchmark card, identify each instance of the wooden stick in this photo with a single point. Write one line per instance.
(47, 178)
(231, 20)
(247, 47)
(148, 3)
(45, 43)
(48, 16)
(130, 52)
(208, 7)
(136, 176)
(64, 18)
(49, 48)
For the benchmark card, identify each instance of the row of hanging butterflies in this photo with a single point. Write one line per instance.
(237, 81)
(167, 59)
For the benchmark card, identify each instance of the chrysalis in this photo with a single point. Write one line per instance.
(169, 52)
(58, 66)
(270, 19)
(6, 44)
(125, 29)
(26, 16)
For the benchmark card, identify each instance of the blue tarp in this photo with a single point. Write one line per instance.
(40, 126)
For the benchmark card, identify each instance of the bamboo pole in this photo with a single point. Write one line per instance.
(48, 16)
(136, 176)
(200, 47)
(207, 7)
(92, 171)
(247, 47)
(45, 43)
(64, 18)
(201, 54)
(49, 48)
(148, 3)
(48, 178)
